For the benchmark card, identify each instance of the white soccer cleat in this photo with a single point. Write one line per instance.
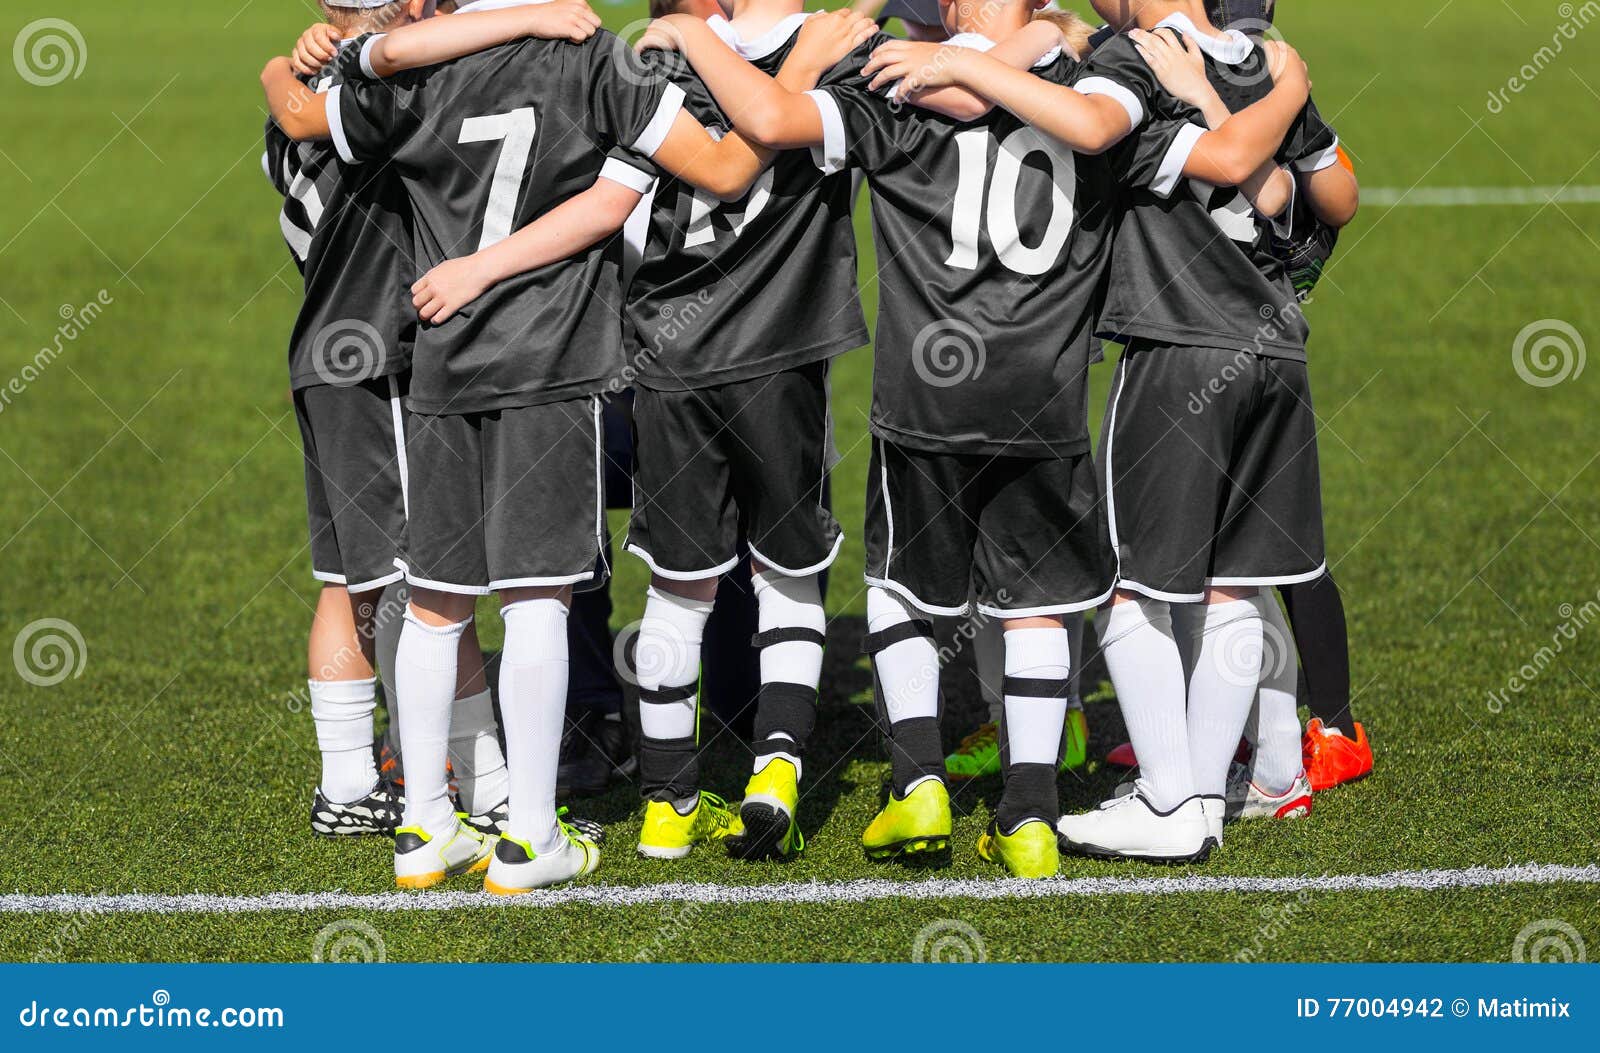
(1246, 800)
(1129, 827)
(1215, 810)
(422, 860)
(518, 868)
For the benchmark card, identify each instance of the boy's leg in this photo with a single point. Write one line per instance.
(543, 532)
(1222, 687)
(477, 762)
(1274, 784)
(343, 697)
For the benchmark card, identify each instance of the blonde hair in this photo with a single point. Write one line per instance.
(1075, 32)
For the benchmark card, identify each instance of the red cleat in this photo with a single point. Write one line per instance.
(1332, 759)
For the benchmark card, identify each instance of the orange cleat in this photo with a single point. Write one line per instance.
(1332, 759)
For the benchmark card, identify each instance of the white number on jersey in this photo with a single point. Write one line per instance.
(703, 207)
(516, 130)
(1004, 232)
(1229, 208)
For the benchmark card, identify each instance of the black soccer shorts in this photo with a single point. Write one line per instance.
(1210, 462)
(1027, 536)
(753, 455)
(353, 439)
(506, 499)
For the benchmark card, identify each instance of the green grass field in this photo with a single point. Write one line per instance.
(152, 499)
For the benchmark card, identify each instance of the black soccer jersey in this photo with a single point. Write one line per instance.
(349, 231)
(1196, 266)
(485, 145)
(729, 292)
(992, 244)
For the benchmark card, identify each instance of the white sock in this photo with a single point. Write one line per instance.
(475, 756)
(342, 712)
(533, 700)
(1034, 723)
(1227, 667)
(668, 655)
(1143, 659)
(908, 671)
(989, 658)
(425, 671)
(1274, 724)
(783, 602)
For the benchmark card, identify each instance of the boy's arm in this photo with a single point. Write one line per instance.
(1089, 124)
(1021, 50)
(439, 40)
(577, 223)
(1333, 192)
(1231, 154)
(1180, 65)
(295, 108)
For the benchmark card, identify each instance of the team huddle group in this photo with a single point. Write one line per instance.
(506, 215)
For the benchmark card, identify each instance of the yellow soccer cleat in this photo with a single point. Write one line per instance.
(669, 834)
(771, 801)
(1029, 851)
(917, 824)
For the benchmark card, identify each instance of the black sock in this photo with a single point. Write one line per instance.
(1316, 613)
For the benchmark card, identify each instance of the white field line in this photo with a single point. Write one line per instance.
(1460, 196)
(862, 891)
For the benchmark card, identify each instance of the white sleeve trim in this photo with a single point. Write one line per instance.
(1105, 86)
(336, 126)
(830, 156)
(366, 56)
(655, 133)
(1283, 222)
(620, 171)
(266, 168)
(1170, 174)
(1318, 161)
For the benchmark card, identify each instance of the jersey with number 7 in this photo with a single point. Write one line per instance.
(993, 241)
(485, 145)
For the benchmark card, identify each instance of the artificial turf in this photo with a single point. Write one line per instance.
(152, 482)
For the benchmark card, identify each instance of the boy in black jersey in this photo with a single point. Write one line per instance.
(348, 230)
(993, 241)
(1208, 504)
(504, 461)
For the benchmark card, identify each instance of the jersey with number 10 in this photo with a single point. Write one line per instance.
(485, 145)
(993, 240)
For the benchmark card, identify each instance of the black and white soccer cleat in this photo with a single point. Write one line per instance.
(376, 813)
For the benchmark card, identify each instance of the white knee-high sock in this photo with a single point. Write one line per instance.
(1148, 673)
(783, 602)
(1034, 723)
(425, 668)
(908, 673)
(533, 699)
(1274, 724)
(668, 655)
(1227, 667)
(475, 755)
(342, 711)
